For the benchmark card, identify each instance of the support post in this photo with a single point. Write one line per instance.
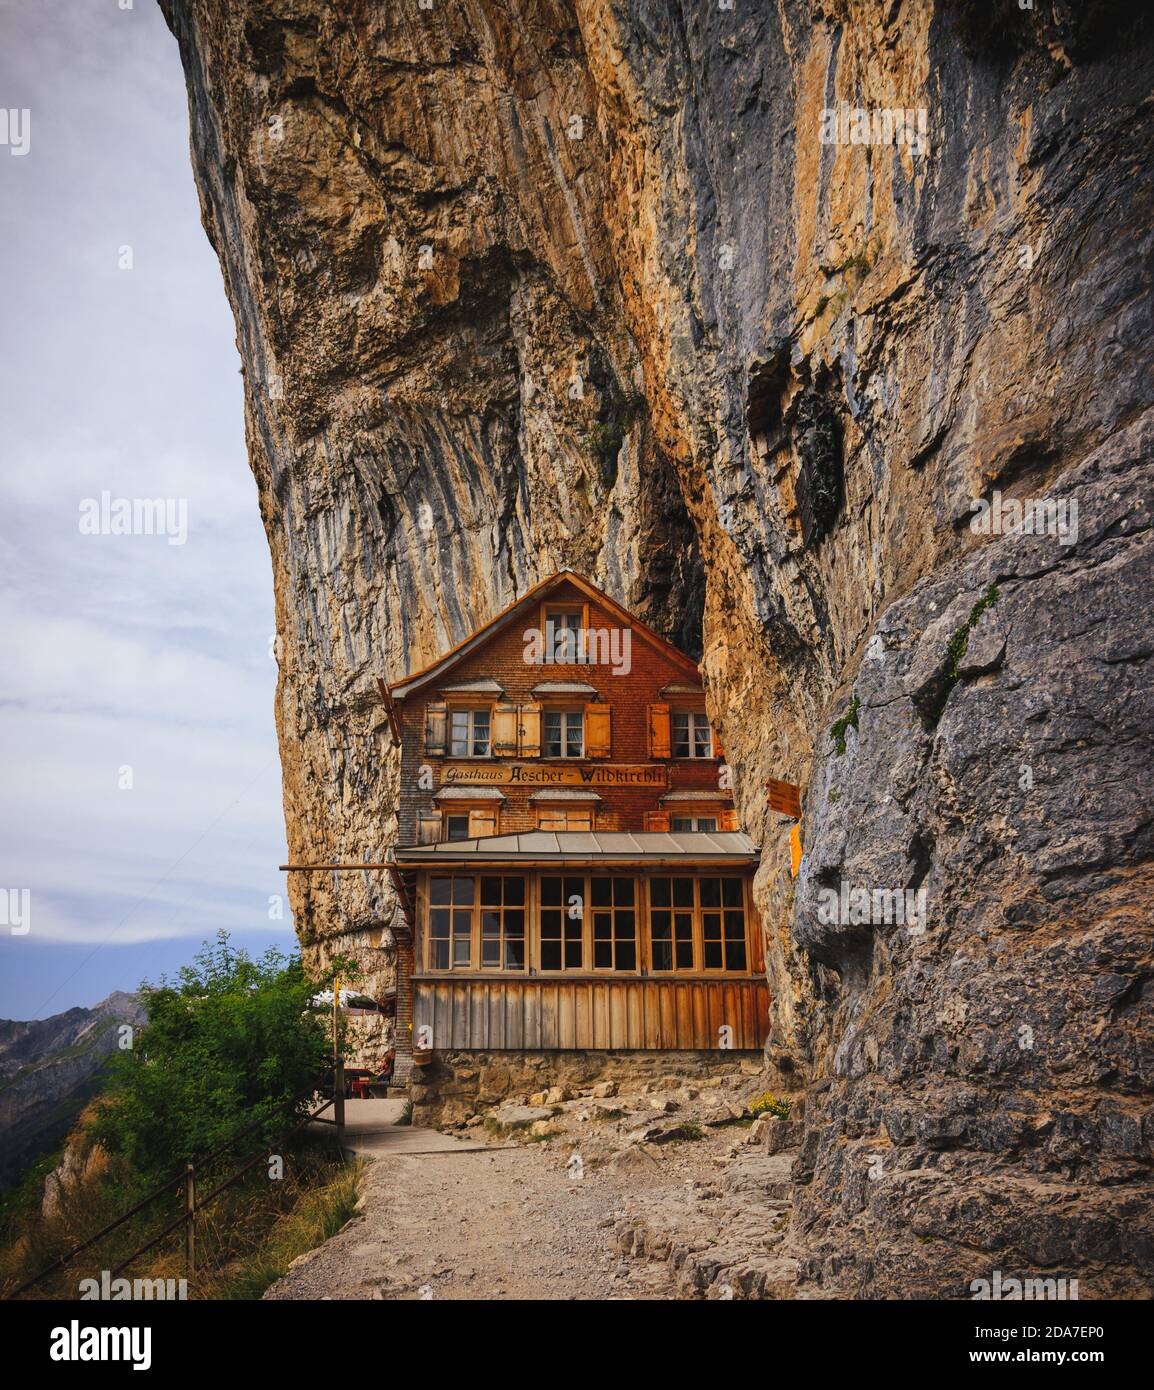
(189, 1218)
(339, 1096)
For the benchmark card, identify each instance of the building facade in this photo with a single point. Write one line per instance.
(569, 859)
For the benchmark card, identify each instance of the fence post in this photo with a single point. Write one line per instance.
(339, 1096)
(190, 1218)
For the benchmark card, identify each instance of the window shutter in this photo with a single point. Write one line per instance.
(436, 722)
(482, 821)
(658, 731)
(727, 820)
(718, 751)
(428, 828)
(506, 719)
(598, 738)
(531, 731)
(657, 820)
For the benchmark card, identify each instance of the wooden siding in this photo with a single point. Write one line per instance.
(598, 1014)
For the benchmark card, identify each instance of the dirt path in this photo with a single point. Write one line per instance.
(509, 1223)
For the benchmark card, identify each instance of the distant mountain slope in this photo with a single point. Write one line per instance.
(48, 1069)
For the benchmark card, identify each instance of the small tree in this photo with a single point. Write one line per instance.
(230, 1043)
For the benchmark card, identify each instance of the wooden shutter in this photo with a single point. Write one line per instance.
(506, 721)
(657, 820)
(727, 820)
(718, 751)
(436, 724)
(482, 821)
(658, 724)
(598, 738)
(428, 828)
(531, 731)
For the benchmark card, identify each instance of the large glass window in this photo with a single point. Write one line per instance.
(502, 922)
(469, 733)
(564, 734)
(562, 922)
(613, 904)
(691, 734)
(697, 924)
(451, 923)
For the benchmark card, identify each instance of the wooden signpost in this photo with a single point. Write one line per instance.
(785, 798)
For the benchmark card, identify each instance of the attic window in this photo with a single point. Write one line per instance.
(565, 642)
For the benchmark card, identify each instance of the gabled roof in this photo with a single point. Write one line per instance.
(415, 680)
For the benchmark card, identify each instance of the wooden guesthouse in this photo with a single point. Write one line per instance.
(569, 856)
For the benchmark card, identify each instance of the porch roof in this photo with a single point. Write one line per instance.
(728, 847)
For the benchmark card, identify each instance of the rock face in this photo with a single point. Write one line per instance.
(49, 1068)
(646, 288)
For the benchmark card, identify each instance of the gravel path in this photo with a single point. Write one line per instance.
(510, 1223)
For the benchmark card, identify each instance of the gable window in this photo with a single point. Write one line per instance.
(614, 923)
(469, 733)
(692, 736)
(564, 734)
(698, 823)
(565, 643)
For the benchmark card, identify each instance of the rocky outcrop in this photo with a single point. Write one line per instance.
(49, 1068)
(648, 288)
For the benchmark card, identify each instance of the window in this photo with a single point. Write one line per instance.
(450, 944)
(697, 924)
(671, 923)
(692, 737)
(562, 922)
(565, 637)
(614, 923)
(722, 923)
(693, 823)
(502, 922)
(565, 818)
(457, 827)
(564, 734)
(469, 733)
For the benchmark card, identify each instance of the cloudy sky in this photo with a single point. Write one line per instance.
(127, 659)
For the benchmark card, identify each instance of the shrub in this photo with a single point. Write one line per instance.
(769, 1104)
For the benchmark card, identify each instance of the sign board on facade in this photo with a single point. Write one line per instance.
(554, 775)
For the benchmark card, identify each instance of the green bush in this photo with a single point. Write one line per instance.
(230, 1043)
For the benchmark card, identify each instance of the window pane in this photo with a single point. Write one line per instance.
(707, 823)
(713, 955)
(734, 925)
(731, 888)
(491, 891)
(711, 926)
(457, 828)
(659, 892)
(573, 955)
(515, 891)
(623, 892)
(491, 953)
(603, 955)
(682, 892)
(551, 891)
(735, 951)
(602, 926)
(440, 890)
(710, 889)
(463, 892)
(490, 924)
(514, 954)
(515, 921)
(625, 926)
(440, 957)
(601, 892)
(550, 955)
(439, 921)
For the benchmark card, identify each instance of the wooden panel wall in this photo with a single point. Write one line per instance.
(650, 1015)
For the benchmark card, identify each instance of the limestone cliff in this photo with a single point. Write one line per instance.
(655, 289)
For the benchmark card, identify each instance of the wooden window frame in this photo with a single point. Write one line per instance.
(471, 712)
(566, 712)
(698, 913)
(691, 716)
(614, 910)
(569, 610)
(503, 909)
(693, 828)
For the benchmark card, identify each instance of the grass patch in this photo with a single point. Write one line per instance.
(840, 727)
(957, 645)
